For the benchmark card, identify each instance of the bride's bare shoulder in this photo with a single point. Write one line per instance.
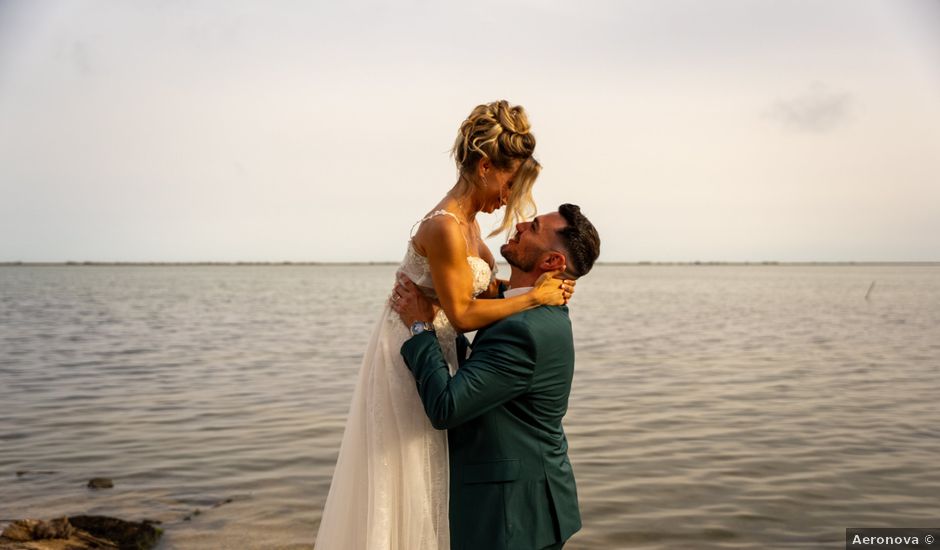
(439, 232)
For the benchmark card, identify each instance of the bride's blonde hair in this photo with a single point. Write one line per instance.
(500, 133)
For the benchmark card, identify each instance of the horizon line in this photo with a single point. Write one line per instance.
(374, 263)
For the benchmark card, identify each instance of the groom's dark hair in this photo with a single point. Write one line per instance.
(580, 239)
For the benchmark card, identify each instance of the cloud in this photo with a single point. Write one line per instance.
(816, 110)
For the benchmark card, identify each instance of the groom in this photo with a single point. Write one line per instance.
(511, 484)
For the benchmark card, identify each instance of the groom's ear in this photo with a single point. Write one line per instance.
(553, 261)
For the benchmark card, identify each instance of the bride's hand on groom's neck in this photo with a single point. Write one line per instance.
(552, 289)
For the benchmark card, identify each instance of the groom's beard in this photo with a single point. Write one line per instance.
(523, 262)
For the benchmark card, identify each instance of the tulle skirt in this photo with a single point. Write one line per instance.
(390, 486)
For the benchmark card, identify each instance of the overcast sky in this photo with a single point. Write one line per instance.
(726, 130)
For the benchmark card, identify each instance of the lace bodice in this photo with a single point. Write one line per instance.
(416, 267)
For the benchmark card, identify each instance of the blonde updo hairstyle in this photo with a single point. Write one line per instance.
(500, 133)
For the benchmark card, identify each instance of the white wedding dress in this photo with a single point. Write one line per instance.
(391, 482)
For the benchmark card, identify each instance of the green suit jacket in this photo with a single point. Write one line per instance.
(511, 484)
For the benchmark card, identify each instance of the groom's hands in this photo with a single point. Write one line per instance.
(410, 303)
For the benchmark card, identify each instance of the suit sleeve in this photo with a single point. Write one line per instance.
(499, 369)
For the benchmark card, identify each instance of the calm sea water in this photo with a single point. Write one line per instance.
(713, 406)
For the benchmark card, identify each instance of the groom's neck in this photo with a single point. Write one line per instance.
(521, 279)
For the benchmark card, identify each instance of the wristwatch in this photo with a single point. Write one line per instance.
(421, 326)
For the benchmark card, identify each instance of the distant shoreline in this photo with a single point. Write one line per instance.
(352, 264)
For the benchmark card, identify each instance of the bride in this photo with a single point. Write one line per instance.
(390, 485)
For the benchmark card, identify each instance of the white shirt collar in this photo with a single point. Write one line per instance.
(516, 291)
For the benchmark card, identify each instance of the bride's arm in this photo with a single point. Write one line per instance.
(493, 290)
(446, 251)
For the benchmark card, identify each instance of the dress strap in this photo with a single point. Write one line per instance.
(434, 214)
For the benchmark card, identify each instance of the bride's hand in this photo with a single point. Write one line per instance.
(550, 291)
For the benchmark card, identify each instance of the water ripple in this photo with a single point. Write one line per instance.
(713, 407)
